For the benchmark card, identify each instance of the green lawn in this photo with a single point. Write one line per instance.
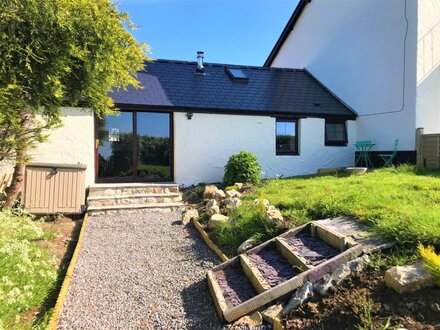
(27, 272)
(401, 203)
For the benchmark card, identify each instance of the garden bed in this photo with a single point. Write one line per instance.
(364, 300)
(32, 270)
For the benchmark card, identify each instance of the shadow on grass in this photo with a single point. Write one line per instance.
(45, 311)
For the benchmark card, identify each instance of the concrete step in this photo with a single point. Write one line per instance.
(123, 189)
(130, 208)
(93, 201)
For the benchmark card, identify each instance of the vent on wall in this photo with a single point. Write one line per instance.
(236, 74)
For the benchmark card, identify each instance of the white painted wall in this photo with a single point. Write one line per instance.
(203, 145)
(428, 66)
(356, 48)
(70, 144)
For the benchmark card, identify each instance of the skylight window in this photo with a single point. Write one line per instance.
(236, 74)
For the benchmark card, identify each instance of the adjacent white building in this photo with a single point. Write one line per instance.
(380, 57)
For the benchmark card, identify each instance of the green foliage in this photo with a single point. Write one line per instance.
(55, 53)
(234, 187)
(364, 310)
(395, 257)
(242, 167)
(27, 272)
(431, 260)
(245, 222)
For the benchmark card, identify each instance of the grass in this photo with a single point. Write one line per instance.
(400, 203)
(27, 271)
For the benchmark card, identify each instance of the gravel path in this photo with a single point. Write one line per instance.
(140, 271)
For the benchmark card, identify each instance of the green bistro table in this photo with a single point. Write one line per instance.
(363, 159)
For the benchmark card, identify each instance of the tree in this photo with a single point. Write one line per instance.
(56, 53)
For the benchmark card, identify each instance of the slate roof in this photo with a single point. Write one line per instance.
(270, 91)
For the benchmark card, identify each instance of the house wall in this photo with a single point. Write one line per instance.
(203, 145)
(72, 143)
(428, 66)
(356, 49)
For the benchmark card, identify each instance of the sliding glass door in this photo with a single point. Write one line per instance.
(135, 146)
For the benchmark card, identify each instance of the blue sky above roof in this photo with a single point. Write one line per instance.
(229, 31)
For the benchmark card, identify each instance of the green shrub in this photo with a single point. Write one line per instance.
(431, 260)
(242, 167)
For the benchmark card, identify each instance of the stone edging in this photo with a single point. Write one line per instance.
(209, 242)
(67, 278)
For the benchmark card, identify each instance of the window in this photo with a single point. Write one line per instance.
(335, 133)
(236, 74)
(287, 137)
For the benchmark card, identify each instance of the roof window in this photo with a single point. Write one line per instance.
(236, 74)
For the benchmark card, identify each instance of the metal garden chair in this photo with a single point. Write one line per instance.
(388, 158)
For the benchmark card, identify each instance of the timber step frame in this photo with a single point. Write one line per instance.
(343, 234)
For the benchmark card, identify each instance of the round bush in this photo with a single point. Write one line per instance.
(242, 167)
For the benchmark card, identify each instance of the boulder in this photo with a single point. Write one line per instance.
(274, 216)
(408, 278)
(253, 321)
(189, 215)
(246, 245)
(232, 203)
(209, 192)
(265, 202)
(212, 207)
(358, 264)
(219, 195)
(232, 193)
(301, 295)
(324, 285)
(239, 185)
(340, 274)
(217, 219)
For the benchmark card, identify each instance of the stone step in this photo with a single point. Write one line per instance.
(133, 199)
(132, 189)
(130, 208)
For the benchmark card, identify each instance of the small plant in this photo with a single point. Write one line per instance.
(431, 260)
(234, 187)
(242, 167)
(364, 310)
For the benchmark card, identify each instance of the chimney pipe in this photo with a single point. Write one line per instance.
(200, 67)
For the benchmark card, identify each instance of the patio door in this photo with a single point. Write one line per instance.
(134, 146)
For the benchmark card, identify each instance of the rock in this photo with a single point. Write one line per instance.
(239, 185)
(265, 202)
(212, 207)
(298, 298)
(274, 216)
(358, 264)
(408, 278)
(254, 321)
(189, 215)
(232, 193)
(232, 203)
(340, 274)
(246, 245)
(209, 192)
(219, 195)
(273, 313)
(217, 219)
(324, 285)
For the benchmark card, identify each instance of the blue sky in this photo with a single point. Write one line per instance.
(229, 31)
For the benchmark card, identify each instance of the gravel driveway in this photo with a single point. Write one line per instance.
(140, 271)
